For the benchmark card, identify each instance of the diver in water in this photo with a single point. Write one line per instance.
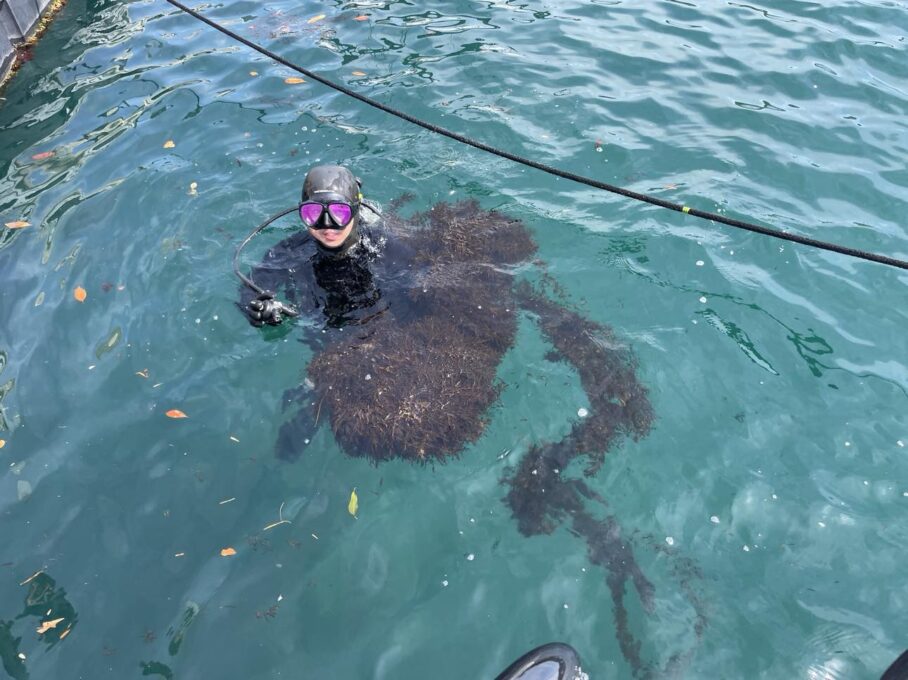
(329, 267)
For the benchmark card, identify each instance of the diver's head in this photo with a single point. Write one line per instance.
(329, 206)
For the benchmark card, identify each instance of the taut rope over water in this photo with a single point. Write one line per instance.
(580, 179)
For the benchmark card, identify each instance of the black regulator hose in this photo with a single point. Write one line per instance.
(269, 307)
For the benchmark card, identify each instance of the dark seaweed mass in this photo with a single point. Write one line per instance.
(418, 385)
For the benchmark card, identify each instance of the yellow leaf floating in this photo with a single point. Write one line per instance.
(293, 80)
(317, 17)
(169, 144)
(227, 552)
(358, 73)
(175, 413)
(47, 625)
(253, 73)
(2, 443)
(353, 504)
(18, 224)
(80, 294)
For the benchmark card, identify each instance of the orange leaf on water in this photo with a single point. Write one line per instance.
(80, 294)
(358, 73)
(293, 80)
(361, 17)
(175, 413)
(18, 224)
(41, 156)
(2, 443)
(47, 625)
(317, 17)
(227, 552)
(169, 144)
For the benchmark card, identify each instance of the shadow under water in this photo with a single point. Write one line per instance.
(418, 385)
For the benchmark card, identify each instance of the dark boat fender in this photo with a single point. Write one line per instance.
(553, 661)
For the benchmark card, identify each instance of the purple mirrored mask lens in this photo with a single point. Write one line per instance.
(310, 213)
(341, 213)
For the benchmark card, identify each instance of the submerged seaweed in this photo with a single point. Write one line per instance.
(417, 384)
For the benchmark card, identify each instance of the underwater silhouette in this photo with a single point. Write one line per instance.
(415, 375)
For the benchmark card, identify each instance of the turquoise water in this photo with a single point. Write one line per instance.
(777, 464)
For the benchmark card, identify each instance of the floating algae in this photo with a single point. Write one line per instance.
(416, 382)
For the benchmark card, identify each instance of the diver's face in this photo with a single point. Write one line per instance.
(332, 238)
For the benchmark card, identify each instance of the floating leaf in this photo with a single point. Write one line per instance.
(317, 17)
(66, 632)
(227, 552)
(358, 73)
(18, 224)
(193, 186)
(253, 73)
(43, 155)
(47, 625)
(353, 504)
(175, 413)
(2, 443)
(143, 373)
(40, 299)
(169, 144)
(361, 17)
(32, 577)
(80, 294)
(293, 80)
(108, 343)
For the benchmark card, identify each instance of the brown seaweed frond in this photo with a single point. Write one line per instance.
(418, 391)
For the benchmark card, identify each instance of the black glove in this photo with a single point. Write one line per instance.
(266, 310)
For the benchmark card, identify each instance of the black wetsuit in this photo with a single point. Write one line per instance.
(332, 289)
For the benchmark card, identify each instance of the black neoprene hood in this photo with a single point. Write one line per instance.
(330, 181)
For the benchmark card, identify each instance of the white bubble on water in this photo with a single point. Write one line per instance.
(669, 540)
(746, 548)
(703, 299)
(582, 412)
(471, 557)
(714, 519)
(700, 263)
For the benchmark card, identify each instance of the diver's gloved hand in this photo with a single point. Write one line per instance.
(266, 310)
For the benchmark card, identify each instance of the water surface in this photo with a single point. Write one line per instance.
(777, 461)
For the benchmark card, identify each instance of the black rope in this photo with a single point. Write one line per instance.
(637, 196)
